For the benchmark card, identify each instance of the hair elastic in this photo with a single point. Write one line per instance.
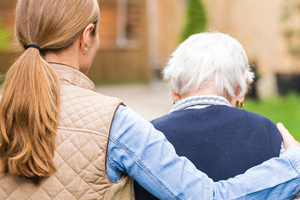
(33, 46)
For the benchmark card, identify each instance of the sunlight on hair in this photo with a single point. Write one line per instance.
(209, 58)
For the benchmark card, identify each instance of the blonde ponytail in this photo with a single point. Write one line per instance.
(29, 109)
(29, 105)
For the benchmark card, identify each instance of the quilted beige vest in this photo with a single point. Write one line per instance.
(81, 147)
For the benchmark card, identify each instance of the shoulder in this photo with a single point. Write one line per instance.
(71, 92)
(239, 118)
(126, 117)
(196, 114)
(263, 126)
(169, 118)
(258, 119)
(86, 109)
(255, 121)
(244, 115)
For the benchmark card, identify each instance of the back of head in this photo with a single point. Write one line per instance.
(29, 106)
(209, 58)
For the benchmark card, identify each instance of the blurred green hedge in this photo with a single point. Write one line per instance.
(196, 19)
(282, 109)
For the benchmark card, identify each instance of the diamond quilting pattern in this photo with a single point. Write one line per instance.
(53, 186)
(81, 142)
(66, 150)
(3, 194)
(66, 170)
(93, 114)
(74, 186)
(26, 188)
(62, 138)
(8, 184)
(90, 194)
(40, 194)
(18, 194)
(78, 162)
(65, 194)
(78, 141)
(90, 146)
(90, 176)
(58, 161)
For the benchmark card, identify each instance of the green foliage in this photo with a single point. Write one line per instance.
(283, 109)
(4, 35)
(285, 13)
(288, 32)
(196, 18)
(289, 13)
(294, 49)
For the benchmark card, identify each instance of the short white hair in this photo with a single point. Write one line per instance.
(209, 58)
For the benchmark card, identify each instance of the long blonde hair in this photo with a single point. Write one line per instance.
(29, 106)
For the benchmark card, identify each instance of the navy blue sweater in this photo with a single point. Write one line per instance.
(221, 141)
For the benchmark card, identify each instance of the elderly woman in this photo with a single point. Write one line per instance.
(60, 139)
(209, 76)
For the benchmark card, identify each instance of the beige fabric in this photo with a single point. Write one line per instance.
(81, 147)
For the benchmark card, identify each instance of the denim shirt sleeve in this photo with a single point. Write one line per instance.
(137, 149)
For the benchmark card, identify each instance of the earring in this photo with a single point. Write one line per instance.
(175, 102)
(85, 50)
(241, 105)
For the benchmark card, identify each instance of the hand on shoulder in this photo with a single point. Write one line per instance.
(288, 139)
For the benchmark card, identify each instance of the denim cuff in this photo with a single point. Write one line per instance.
(293, 154)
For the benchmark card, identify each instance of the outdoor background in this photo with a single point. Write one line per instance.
(138, 36)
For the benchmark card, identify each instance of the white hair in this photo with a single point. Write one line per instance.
(209, 58)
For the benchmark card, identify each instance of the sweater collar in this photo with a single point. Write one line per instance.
(73, 76)
(197, 102)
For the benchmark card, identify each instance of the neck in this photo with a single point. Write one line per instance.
(205, 91)
(53, 58)
(67, 57)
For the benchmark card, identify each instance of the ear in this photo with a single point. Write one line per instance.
(238, 99)
(246, 78)
(23, 47)
(175, 96)
(85, 37)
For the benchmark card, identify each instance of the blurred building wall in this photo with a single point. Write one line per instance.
(166, 19)
(257, 26)
(153, 28)
(123, 31)
(123, 53)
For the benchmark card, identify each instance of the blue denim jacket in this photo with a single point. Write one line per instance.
(139, 150)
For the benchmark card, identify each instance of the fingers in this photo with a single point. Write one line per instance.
(288, 139)
(284, 132)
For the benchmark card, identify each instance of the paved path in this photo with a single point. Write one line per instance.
(150, 101)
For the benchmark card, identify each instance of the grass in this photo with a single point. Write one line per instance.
(282, 109)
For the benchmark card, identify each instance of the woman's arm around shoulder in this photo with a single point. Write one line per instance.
(139, 150)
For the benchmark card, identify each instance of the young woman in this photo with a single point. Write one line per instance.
(60, 139)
